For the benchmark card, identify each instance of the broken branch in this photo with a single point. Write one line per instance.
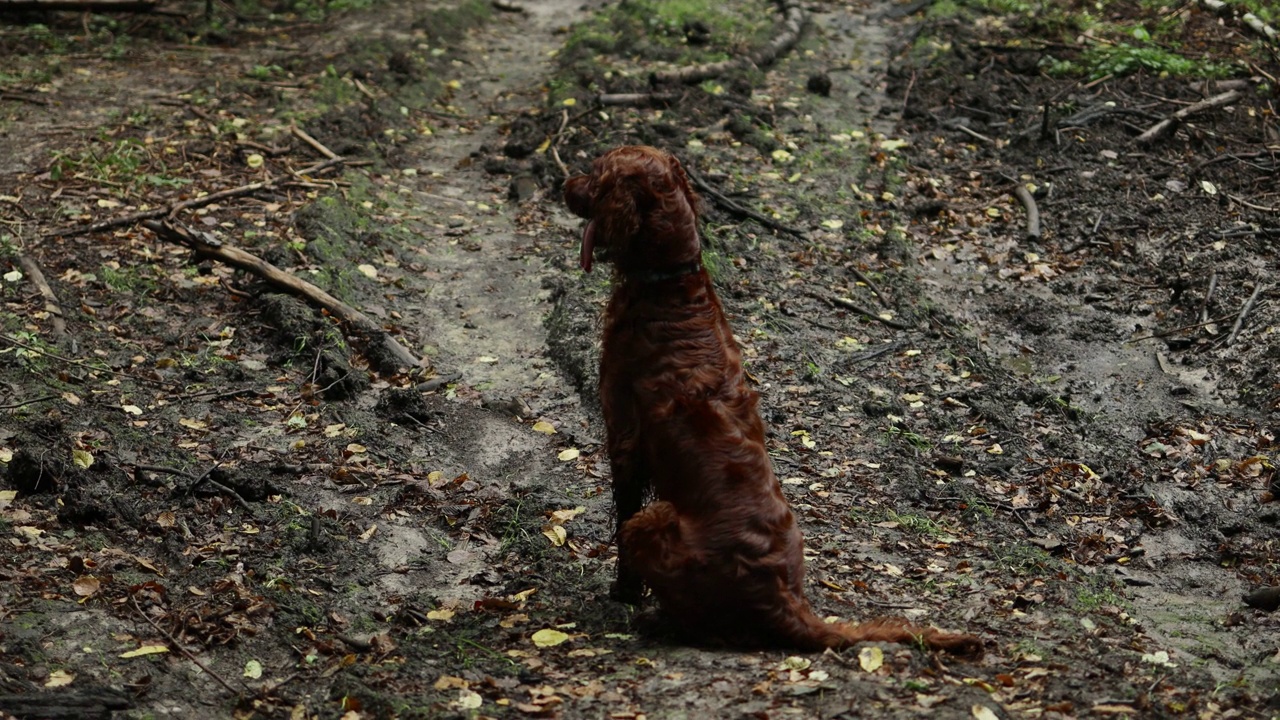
(1033, 213)
(210, 247)
(793, 21)
(1164, 126)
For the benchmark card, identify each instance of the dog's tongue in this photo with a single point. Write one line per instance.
(588, 243)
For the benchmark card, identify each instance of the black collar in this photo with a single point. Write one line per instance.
(668, 273)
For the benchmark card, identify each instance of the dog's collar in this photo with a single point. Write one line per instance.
(668, 273)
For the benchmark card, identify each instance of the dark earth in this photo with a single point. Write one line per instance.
(219, 499)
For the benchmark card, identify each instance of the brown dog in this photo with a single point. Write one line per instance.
(719, 547)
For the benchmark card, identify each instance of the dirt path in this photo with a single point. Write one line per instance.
(970, 426)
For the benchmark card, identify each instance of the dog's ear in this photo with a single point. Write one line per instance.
(577, 195)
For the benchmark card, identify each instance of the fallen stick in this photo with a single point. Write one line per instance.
(793, 21)
(1254, 22)
(1033, 213)
(51, 305)
(393, 355)
(848, 304)
(1244, 312)
(319, 146)
(1163, 126)
(201, 201)
(734, 207)
(616, 99)
(174, 641)
(78, 5)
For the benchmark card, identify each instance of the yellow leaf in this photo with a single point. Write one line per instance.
(871, 658)
(560, 517)
(368, 270)
(58, 678)
(254, 160)
(71, 398)
(982, 712)
(334, 430)
(567, 455)
(451, 682)
(6, 498)
(356, 448)
(556, 534)
(441, 614)
(468, 700)
(81, 458)
(131, 409)
(193, 424)
(5, 456)
(570, 102)
(544, 427)
(253, 669)
(145, 650)
(548, 638)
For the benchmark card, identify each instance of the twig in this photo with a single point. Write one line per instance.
(30, 348)
(169, 210)
(1254, 22)
(23, 98)
(25, 403)
(1208, 295)
(659, 99)
(848, 304)
(734, 207)
(173, 641)
(1166, 333)
(975, 134)
(793, 21)
(1163, 126)
(1033, 213)
(306, 138)
(906, 97)
(862, 278)
(209, 246)
(1244, 312)
(51, 305)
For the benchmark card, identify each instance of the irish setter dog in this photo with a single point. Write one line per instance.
(719, 546)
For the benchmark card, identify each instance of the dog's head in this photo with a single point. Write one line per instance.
(640, 210)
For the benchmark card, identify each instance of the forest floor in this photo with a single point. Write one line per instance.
(217, 500)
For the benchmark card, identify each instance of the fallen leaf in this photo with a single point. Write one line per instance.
(254, 160)
(131, 409)
(870, 658)
(567, 455)
(86, 585)
(253, 669)
(81, 458)
(544, 427)
(368, 270)
(58, 678)
(145, 650)
(468, 700)
(982, 712)
(548, 637)
(193, 424)
(443, 614)
(556, 534)
(13, 276)
(364, 536)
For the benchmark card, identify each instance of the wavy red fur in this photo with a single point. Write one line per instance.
(719, 546)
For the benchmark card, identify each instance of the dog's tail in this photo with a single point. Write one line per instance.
(808, 631)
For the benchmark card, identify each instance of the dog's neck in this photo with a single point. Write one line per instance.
(670, 272)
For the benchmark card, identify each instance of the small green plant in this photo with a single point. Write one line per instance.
(918, 524)
(919, 442)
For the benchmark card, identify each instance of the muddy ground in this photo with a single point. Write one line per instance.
(216, 500)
